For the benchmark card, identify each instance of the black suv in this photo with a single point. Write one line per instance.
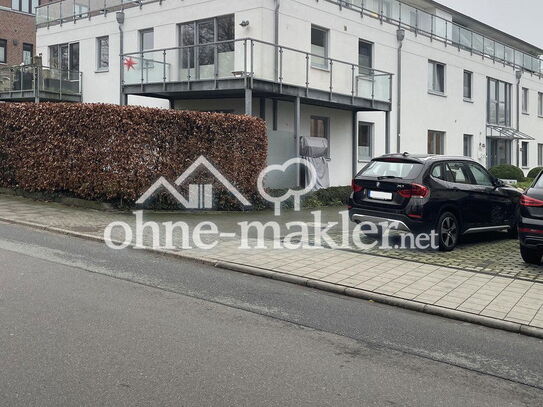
(451, 195)
(531, 222)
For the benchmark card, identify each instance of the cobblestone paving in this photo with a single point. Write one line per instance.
(480, 277)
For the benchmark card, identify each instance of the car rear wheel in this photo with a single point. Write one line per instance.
(531, 256)
(448, 231)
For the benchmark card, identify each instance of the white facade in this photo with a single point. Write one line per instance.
(421, 110)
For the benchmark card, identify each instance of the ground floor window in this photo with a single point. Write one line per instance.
(540, 155)
(524, 149)
(320, 127)
(3, 51)
(436, 142)
(468, 143)
(498, 152)
(365, 141)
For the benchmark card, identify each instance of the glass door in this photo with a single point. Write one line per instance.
(498, 152)
(206, 54)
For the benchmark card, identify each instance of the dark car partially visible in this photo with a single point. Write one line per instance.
(531, 222)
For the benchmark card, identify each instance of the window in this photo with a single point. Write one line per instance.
(365, 56)
(439, 172)
(320, 127)
(468, 85)
(436, 142)
(3, 51)
(147, 39)
(66, 58)
(525, 100)
(28, 53)
(365, 141)
(319, 47)
(540, 104)
(498, 151)
(540, 155)
(436, 77)
(468, 140)
(26, 6)
(524, 154)
(458, 173)
(480, 175)
(102, 53)
(499, 102)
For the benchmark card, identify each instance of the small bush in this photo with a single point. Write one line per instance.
(113, 153)
(507, 172)
(534, 172)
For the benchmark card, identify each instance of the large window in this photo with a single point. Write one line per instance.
(436, 142)
(525, 100)
(102, 53)
(468, 142)
(365, 141)
(3, 51)
(524, 150)
(499, 102)
(365, 56)
(320, 127)
(468, 85)
(65, 57)
(436, 77)
(205, 61)
(319, 47)
(26, 6)
(28, 53)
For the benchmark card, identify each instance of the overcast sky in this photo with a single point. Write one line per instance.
(521, 18)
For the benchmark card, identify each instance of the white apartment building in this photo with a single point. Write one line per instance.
(372, 76)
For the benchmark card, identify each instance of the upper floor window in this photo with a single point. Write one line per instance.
(525, 100)
(365, 56)
(65, 57)
(499, 102)
(3, 51)
(28, 53)
(319, 47)
(26, 6)
(468, 85)
(436, 77)
(147, 39)
(102, 53)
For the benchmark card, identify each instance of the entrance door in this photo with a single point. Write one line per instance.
(498, 152)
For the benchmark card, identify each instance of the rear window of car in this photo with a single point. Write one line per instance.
(407, 170)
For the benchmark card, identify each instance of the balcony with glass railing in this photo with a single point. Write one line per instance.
(255, 64)
(39, 83)
(427, 24)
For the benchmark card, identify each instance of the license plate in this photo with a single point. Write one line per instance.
(382, 196)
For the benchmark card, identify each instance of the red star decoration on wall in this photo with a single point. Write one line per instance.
(129, 63)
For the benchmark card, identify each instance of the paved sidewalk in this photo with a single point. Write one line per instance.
(495, 296)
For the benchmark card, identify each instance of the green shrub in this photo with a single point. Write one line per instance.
(507, 172)
(534, 172)
(113, 153)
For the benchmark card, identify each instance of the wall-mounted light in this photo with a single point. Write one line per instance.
(244, 23)
(518, 75)
(120, 17)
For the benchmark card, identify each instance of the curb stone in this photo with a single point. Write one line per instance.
(319, 285)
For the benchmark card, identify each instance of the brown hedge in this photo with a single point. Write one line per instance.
(107, 152)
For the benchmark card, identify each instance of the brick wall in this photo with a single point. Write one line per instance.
(16, 28)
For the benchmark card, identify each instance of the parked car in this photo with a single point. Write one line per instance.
(454, 196)
(531, 222)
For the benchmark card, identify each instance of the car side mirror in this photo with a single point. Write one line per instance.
(498, 183)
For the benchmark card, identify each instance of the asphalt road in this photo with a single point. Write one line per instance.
(83, 325)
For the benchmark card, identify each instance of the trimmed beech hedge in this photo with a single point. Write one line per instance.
(507, 172)
(113, 153)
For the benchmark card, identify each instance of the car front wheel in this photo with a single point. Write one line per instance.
(531, 256)
(448, 231)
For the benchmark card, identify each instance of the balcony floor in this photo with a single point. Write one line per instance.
(29, 96)
(235, 87)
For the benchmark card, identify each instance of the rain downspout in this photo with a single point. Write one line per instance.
(276, 39)
(518, 75)
(400, 35)
(120, 21)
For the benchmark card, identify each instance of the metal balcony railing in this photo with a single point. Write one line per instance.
(39, 81)
(251, 60)
(430, 25)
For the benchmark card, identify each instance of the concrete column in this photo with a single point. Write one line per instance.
(248, 102)
(355, 142)
(297, 136)
(387, 132)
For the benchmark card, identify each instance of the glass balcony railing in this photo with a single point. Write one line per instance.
(39, 79)
(422, 22)
(252, 59)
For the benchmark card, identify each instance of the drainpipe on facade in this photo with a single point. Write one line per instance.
(400, 35)
(518, 75)
(276, 39)
(120, 21)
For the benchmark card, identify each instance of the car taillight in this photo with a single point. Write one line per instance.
(356, 187)
(527, 201)
(414, 191)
